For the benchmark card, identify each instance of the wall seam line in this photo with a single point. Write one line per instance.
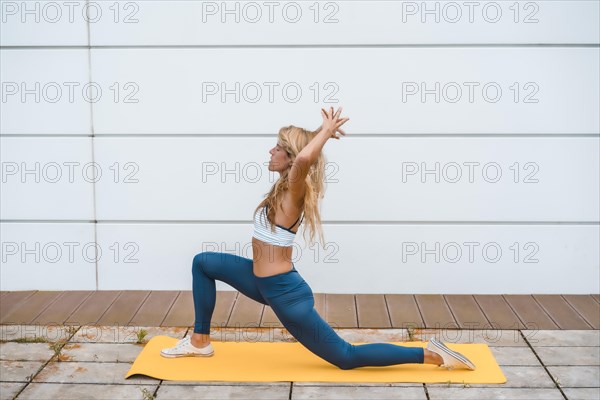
(89, 56)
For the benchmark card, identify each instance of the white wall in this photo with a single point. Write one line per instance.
(491, 190)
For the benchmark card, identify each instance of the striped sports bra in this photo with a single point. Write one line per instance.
(262, 231)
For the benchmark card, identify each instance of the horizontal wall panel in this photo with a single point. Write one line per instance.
(52, 23)
(547, 179)
(48, 178)
(383, 90)
(345, 22)
(46, 22)
(47, 91)
(439, 259)
(48, 256)
(476, 259)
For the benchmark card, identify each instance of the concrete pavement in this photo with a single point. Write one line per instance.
(61, 362)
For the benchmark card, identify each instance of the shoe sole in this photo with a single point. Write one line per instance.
(454, 354)
(186, 355)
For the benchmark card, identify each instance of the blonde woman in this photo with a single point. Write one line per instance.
(271, 277)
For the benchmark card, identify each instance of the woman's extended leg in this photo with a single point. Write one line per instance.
(307, 326)
(292, 301)
(231, 269)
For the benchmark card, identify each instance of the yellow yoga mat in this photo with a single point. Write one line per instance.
(282, 361)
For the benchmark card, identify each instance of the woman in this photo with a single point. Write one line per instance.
(271, 277)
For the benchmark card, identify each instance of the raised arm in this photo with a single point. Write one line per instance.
(331, 124)
(310, 153)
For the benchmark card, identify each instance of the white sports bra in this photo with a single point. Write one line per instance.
(262, 231)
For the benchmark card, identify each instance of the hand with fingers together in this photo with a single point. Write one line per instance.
(332, 122)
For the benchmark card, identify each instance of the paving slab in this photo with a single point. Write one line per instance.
(516, 377)
(90, 372)
(582, 393)
(569, 355)
(358, 392)
(567, 338)
(122, 334)
(223, 383)
(13, 351)
(307, 383)
(341, 384)
(182, 392)
(69, 391)
(8, 390)
(276, 334)
(509, 355)
(373, 335)
(101, 352)
(588, 376)
(18, 371)
(51, 333)
(491, 337)
(248, 334)
(470, 393)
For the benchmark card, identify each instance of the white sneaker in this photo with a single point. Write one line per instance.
(184, 348)
(452, 359)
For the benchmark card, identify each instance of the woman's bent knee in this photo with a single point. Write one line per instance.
(344, 364)
(341, 359)
(200, 259)
(345, 359)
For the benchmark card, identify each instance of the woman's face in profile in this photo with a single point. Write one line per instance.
(280, 160)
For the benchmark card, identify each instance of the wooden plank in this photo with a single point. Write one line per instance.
(12, 300)
(320, 303)
(436, 313)
(28, 309)
(63, 307)
(466, 311)
(372, 311)
(93, 307)
(533, 316)
(155, 308)
(340, 310)
(269, 319)
(498, 312)
(404, 312)
(182, 312)
(587, 307)
(224, 307)
(246, 313)
(122, 310)
(561, 312)
(596, 297)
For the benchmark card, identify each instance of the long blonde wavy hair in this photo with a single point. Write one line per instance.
(293, 139)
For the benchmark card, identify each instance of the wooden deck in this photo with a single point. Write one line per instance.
(233, 309)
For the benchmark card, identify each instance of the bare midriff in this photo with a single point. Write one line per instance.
(269, 259)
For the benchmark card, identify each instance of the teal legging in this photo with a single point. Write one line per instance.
(293, 302)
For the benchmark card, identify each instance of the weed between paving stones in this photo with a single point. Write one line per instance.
(148, 395)
(141, 335)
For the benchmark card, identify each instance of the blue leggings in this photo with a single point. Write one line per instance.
(292, 301)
